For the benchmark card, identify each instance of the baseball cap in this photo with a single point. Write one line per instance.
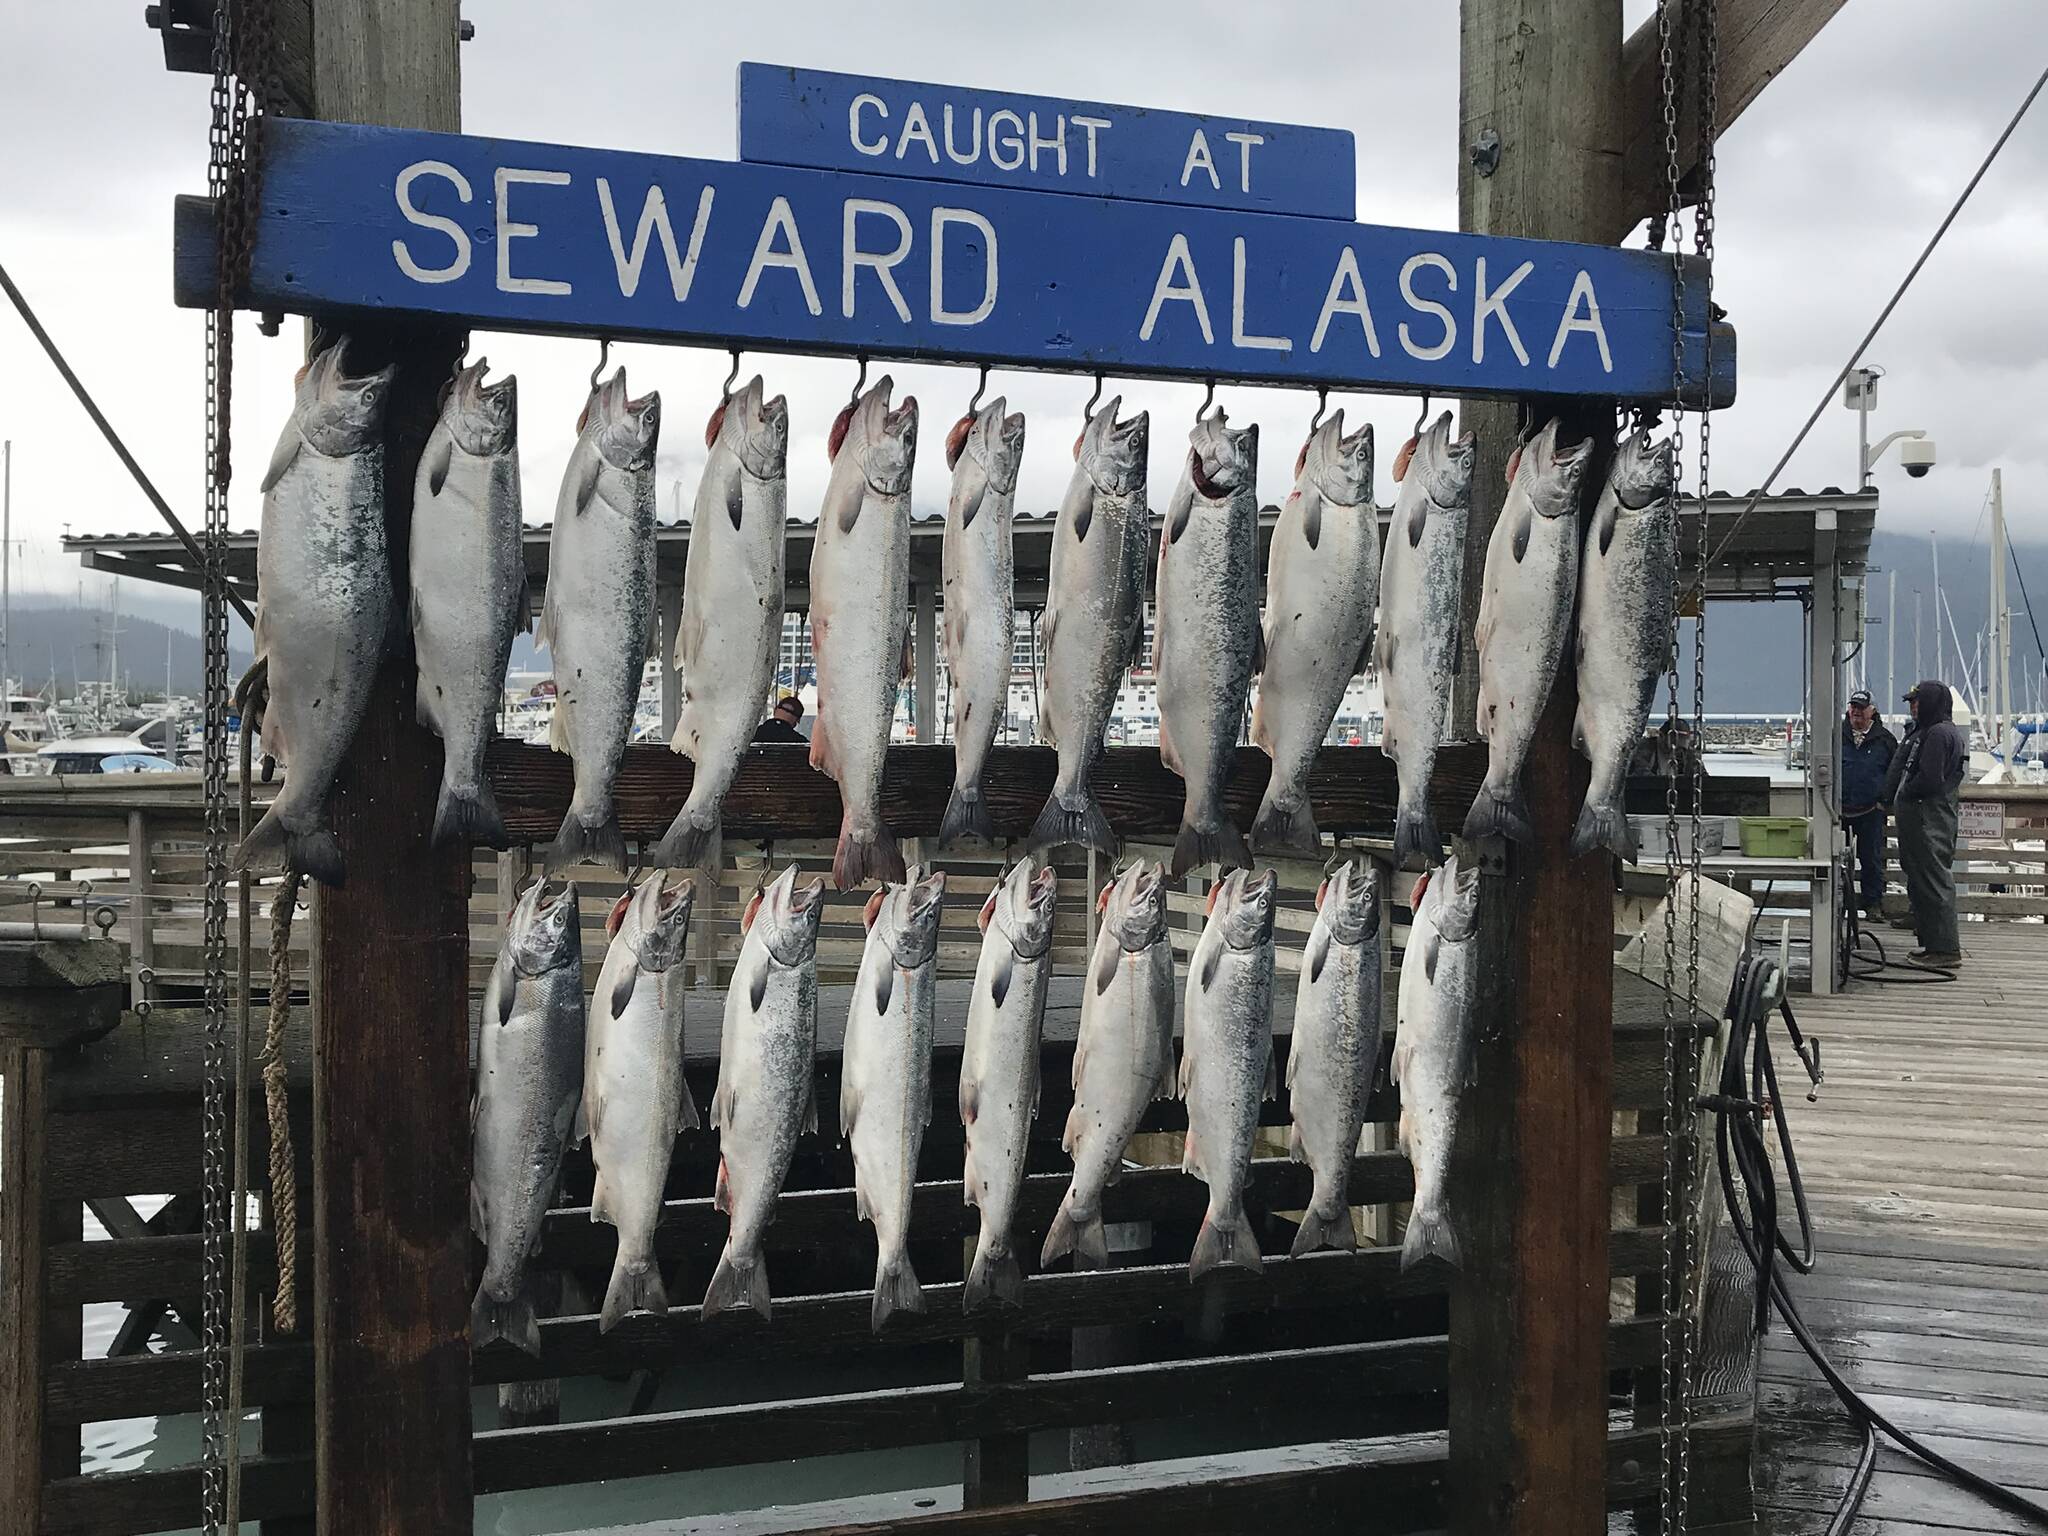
(1860, 697)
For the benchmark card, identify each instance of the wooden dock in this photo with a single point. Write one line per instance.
(1926, 1160)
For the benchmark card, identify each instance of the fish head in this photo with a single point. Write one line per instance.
(1241, 906)
(544, 932)
(1551, 475)
(786, 915)
(993, 441)
(1339, 467)
(482, 418)
(1113, 452)
(625, 430)
(1453, 897)
(1348, 903)
(1021, 908)
(755, 428)
(907, 916)
(1134, 906)
(1446, 465)
(339, 412)
(657, 920)
(1644, 473)
(1222, 459)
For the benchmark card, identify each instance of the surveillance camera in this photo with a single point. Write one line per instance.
(1916, 454)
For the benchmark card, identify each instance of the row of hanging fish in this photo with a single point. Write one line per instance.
(550, 1074)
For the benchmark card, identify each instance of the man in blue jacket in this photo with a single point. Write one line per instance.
(1867, 750)
(1935, 755)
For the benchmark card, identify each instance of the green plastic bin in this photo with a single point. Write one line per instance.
(1773, 837)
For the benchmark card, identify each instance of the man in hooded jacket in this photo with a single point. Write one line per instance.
(1932, 760)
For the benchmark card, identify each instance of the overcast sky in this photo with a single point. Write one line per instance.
(1829, 184)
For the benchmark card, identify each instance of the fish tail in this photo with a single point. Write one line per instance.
(1286, 826)
(313, 852)
(1429, 1232)
(966, 816)
(581, 842)
(738, 1285)
(1603, 825)
(1075, 819)
(994, 1279)
(691, 843)
(1415, 833)
(1324, 1227)
(864, 853)
(1496, 813)
(896, 1289)
(1222, 845)
(1079, 1233)
(636, 1287)
(1231, 1244)
(516, 1321)
(469, 816)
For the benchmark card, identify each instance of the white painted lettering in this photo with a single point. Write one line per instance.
(1428, 306)
(999, 145)
(1334, 303)
(1494, 305)
(1199, 159)
(852, 257)
(1582, 290)
(654, 224)
(1057, 143)
(941, 315)
(447, 226)
(879, 146)
(1178, 260)
(1239, 337)
(510, 229)
(973, 139)
(1090, 124)
(1244, 143)
(791, 256)
(917, 126)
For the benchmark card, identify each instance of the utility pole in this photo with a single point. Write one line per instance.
(1934, 549)
(1919, 649)
(390, 952)
(1891, 638)
(1999, 676)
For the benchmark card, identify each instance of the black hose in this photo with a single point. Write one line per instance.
(1740, 1147)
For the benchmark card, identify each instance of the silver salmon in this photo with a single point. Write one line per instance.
(323, 568)
(1335, 1047)
(999, 1070)
(984, 451)
(1094, 617)
(731, 626)
(529, 1080)
(1205, 632)
(1123, 1054)
(1226, 1061)
(599, 599)
(1416, 652)
(1322, 586)
(1625, 581)
(1525, 621)
(1433, 1041)
(635, 1101)
(885, 1095)
(767, 1091)
(469, 591)
(860, 621)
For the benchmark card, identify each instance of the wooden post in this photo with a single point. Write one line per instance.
(668, 614)
(141, 916)
(1528, 1400)
(1824, 748)
(996, 1469)
(389, 982)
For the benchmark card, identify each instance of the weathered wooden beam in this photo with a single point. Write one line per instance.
(61, 991)
(1759, 38)
(390, 1247)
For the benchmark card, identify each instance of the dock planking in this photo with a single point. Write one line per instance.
(1924, 1162)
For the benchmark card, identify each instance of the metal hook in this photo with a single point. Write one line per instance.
(1422, 416)
(1315, 422)
(35, 907)
(604, 353)
(1208, 401)
(980, 385)
(733, 377)
(860, 381)
(1088, 410)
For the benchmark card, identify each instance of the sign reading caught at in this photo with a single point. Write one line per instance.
(837, 122)
(498, 234)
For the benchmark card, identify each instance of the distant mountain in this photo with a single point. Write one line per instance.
(73, 643)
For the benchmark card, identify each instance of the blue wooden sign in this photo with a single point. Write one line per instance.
(501, 235)
(835, 122)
